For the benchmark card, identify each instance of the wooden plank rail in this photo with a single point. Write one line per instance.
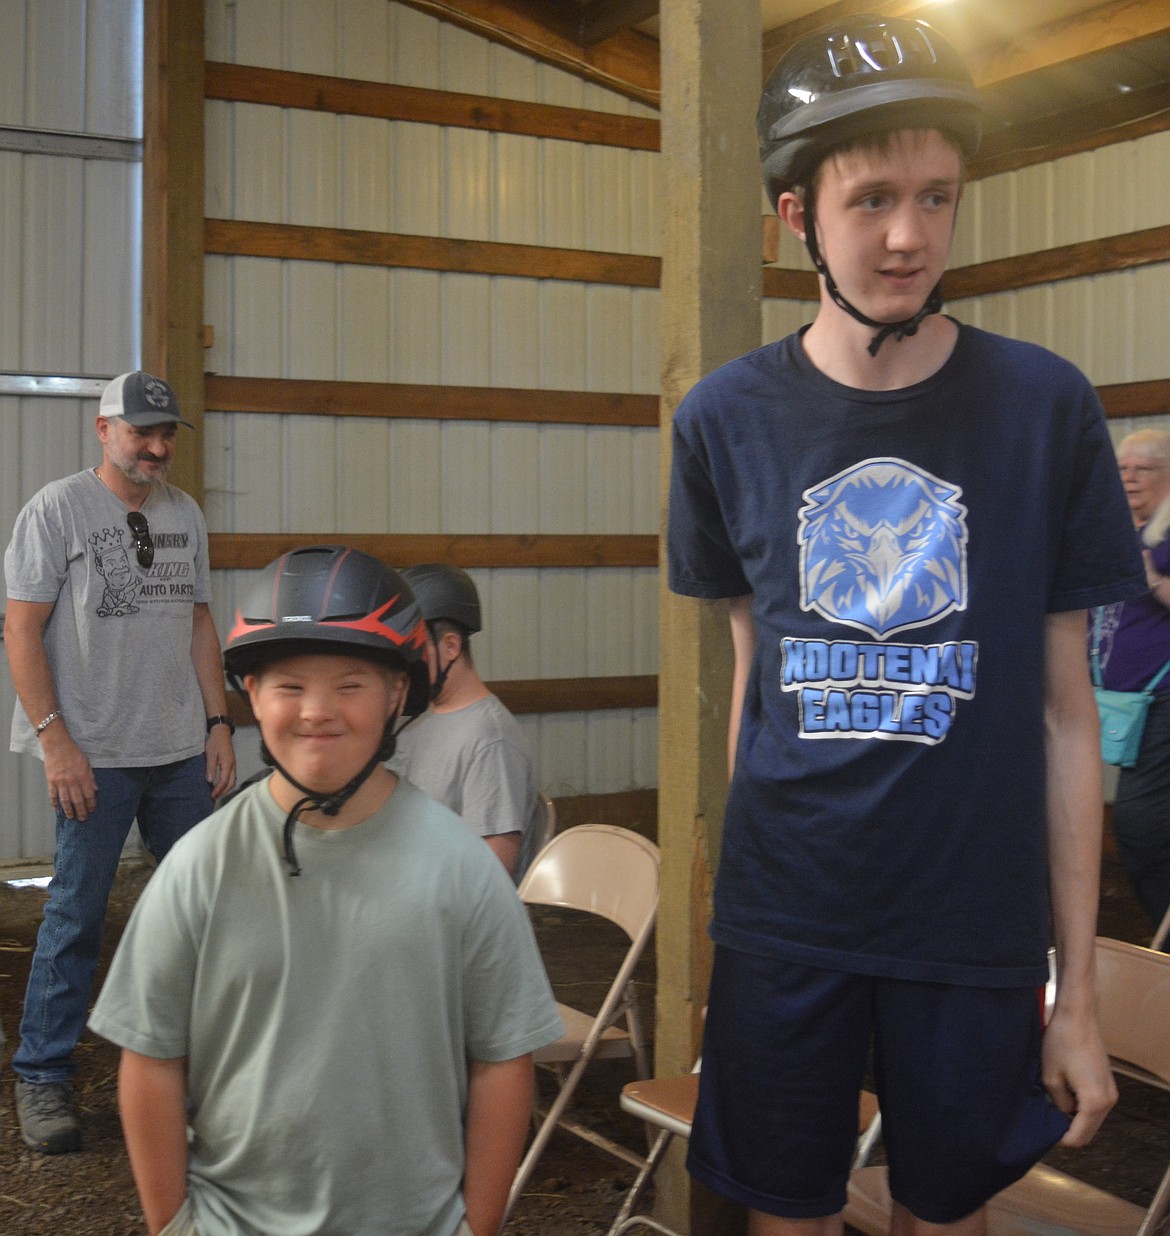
(1136, 398)
(477, 257)
(423, 402)
(530, 696)
(342, 245)
(233, 551)
(1077, 261)
(290, 397)
(240, 83)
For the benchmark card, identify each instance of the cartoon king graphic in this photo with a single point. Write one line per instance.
(113, 564)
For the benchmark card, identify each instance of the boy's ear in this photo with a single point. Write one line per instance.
(399, 688)
(790, 208)
(251, 681)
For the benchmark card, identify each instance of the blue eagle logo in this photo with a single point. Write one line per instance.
(883, 548)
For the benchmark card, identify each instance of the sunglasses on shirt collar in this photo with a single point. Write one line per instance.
(143, 544)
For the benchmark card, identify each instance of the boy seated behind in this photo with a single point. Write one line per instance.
(467, 750)
(349, 1041)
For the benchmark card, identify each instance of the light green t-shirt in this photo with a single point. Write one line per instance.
(328, 1018)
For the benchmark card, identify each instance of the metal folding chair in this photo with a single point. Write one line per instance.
(546, 823)
(668, 1104)
(613, 873)
(1134, 1007)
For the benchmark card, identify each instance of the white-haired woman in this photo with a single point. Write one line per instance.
(1134, 646)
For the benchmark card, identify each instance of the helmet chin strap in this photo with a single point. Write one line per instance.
(328, 804)
(899, 330)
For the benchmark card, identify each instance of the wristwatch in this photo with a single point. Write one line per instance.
(222, 719)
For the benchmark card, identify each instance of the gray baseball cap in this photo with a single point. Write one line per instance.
(141, 399)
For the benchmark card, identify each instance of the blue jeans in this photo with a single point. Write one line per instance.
(167, 801)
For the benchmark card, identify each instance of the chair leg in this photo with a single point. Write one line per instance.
(637, 1035)
(657, 1151)
(867, 1141)
(643, 1221)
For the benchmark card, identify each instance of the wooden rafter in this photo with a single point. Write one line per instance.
(1110, 25)
(627, 63)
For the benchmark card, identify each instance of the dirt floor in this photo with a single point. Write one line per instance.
(576, 1190)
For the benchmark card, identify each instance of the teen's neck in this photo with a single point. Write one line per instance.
(838, 346)
(463, 688)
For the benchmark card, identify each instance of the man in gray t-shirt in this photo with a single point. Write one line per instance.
(467, 750)
(116, 664)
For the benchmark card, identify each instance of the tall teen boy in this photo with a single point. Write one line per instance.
(331, 983)
(909, 518)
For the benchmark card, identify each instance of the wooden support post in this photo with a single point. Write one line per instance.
(172, 218)
(710, 314)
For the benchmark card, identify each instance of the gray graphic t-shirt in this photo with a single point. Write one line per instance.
(119, 637)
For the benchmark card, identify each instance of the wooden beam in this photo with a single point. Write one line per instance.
(587, 24)
(1077, 261)
(626, 63)
(533, 696)
(786, 284)
(1122, 119)
(633, 809)
(480, 257)
(538, 695)
(292, 396)
(236, 83)
(250, 551)
(1053, 43)
(1136, 398)
(605, 18)
(172, 216)
(710, 308)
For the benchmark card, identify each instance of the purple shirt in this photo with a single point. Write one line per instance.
(1135, 637)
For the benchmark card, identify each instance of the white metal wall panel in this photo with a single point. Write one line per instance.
(111, 226)
(55, 57)
(68, 281)
(52, 260)
(41, 439)
(113, 50)
(293, 319)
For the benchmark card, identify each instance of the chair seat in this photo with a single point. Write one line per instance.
(614, 1042)
(666, 1102)
(669, 1103)
(1045, 1203)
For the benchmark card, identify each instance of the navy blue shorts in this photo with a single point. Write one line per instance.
(786, 1049)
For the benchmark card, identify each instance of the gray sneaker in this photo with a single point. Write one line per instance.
(48, 1117)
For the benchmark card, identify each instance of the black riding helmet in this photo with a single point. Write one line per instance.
(859, 77)
(328, 598)
(445, 594)
(448, 592)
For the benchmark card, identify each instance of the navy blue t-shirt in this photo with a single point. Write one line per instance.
(903, 550)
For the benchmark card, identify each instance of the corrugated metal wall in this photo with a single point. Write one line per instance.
(315, 320)
(69, 227)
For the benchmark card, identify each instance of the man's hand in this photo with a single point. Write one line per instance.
(72, 785)
(1077, 1076)
(221, 761)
